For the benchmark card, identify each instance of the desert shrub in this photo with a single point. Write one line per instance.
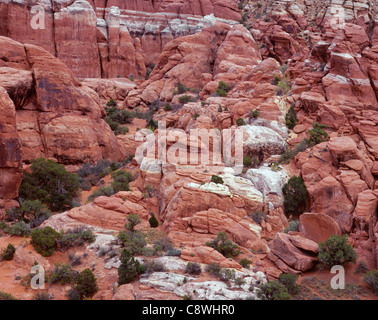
(258, 216)
(167, 107)
(336, 251)
(289, 281)
(221, 93)
(317, 134)
(283, 87)
(273, 290)
(102, 191)
(293, 226)
(50, 183)
(129, 268)
(224, 245)
(247, 161)
(62, 273)
(193, 268)
(154, 223)
(9, 252)
(85, 185)
(73, 294)
(75, 237)
(213, 268)
(154, 266)
(19, 229)
(43, 295)
(217, 179)
(44, 240)
(240, 122)
(362, 267)
(290, 154)
(195, 116)
(85, 284)
(173, 252)
(135, 242)
(121, 180)
(152, 125)
(185, 99)
(33, 212)
(291, 118)
(371, 279)
(181, 88)
(111, 103)
(295, 196)
(220, 108)
(245, 263)
(254, 113)
(6, 296)
(227, 275)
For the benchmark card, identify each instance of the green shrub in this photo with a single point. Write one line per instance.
(62, 273)
(154, 223)
(73, 294)
(221, 93)
(6, 296)
(111, 103)
(167, 107)
(121, 180)
(129, 268)
(185, 99)
(247, 161)
(153, 266)
(44, 240)
(152, 125)
(254, 113)
(217, 179)
(213, 268)
(75, 237)
(195, 116)
(289, 281)
(30, 211)
(336, 251)
(317, 134)
(223, 86)
(193, 268)
(295, 196)
(371, 279)
(227, 275)
(9, 252)
(273, 290)
(85, 284)
(181, 88)
(291, 118)
(102, 191)
(19, 229)
(42, 296)
(132, 221)
(134, 242)
(240, 122)
(50, 183)
(245, 263)
(283, 87)
(362, 267)
(224, 245)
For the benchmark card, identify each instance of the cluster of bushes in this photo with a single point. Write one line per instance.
(282, 84)
(115, 117)
(45, 241)
(84, 283)
(251, 161)
(50, 183)
(31, 212)
(8, 253)
(222, 89)
(282, 289)
(224, 245)
(120, 182)
(90, 175)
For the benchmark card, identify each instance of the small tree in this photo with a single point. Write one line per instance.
(217, 179)
(240, 122)
(86, 284)
(50, 183)
(129, 268)
(133, 221)
(295, 196)
(336, 251)
(193, 268)
(291, 118)
(317, 134)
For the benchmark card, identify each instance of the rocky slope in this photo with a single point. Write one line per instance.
(319, 57)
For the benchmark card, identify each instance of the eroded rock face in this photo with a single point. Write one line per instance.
(10, 152)
(56, 116)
